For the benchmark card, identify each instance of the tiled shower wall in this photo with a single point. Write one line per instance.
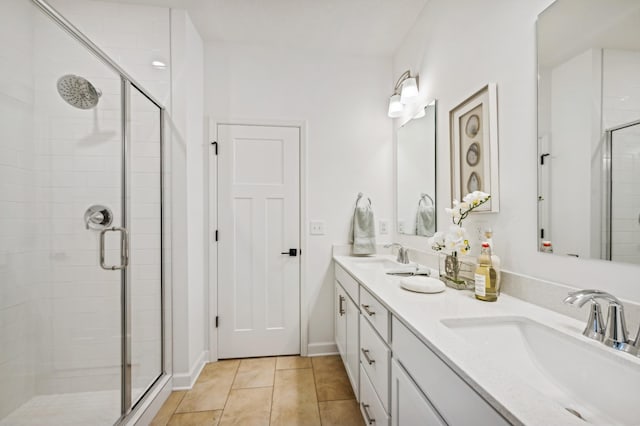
(19, 261)
(621, 105)
(59, 312)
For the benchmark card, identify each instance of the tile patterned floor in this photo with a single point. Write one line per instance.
(283, 391)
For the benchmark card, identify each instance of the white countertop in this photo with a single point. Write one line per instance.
(507, 393)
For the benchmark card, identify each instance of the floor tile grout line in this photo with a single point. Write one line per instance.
(315, 386)
(273, 391)
(173, 412)
(235, 374)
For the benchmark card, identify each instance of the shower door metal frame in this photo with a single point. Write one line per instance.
(607, 170)
(127, 406)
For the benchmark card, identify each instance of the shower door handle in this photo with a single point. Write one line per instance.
(124, 248)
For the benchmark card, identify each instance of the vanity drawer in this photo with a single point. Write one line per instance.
(348, 282)
(371, 407)
(444, 388)
(375, 358)
(375, 313)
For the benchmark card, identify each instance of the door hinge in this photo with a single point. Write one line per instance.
(215, 147)
(216, 235)
(541, 158)
(217, 321)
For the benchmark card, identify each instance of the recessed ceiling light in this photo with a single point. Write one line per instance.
(159, 65)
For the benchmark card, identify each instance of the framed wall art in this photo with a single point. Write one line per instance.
(474, 147)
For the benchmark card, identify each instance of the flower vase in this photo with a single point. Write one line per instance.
(450, 271)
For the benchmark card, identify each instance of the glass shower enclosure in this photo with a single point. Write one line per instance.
(622, 193)
(81, 227)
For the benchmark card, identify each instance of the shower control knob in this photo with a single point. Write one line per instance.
(98, 217)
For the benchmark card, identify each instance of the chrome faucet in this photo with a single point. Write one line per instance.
(614, 334)
(403, 254)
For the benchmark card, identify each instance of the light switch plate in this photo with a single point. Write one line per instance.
(383, 226)
(316, 227)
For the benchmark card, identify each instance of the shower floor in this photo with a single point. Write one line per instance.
(68, 409)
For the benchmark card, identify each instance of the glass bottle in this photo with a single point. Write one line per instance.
(486, 280)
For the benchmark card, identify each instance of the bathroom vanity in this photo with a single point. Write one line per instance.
(441, 359)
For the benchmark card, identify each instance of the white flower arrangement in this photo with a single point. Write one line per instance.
(456, 240)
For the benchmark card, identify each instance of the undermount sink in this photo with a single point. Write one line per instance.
(591, 382)
(380, 263)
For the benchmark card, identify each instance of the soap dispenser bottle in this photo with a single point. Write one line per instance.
(486, 279)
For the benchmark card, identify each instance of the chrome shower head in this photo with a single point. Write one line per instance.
(78, 92)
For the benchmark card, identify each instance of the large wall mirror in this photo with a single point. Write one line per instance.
(589, 128)
(416, 166)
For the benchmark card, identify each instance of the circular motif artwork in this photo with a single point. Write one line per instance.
(473, 126)
(473, 184)
(473, 154)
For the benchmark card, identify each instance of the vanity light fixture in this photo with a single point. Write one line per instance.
(404, 92)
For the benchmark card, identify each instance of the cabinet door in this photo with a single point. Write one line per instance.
(353, 343)
(340, 320)
(408, 405)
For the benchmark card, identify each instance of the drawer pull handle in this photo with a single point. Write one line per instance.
(366, 309)
(365, 408)
(340, 307)
(365, 353)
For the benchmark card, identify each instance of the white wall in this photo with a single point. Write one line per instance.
(187, 135)
(573, 109)
(494, 41)
(343, 100)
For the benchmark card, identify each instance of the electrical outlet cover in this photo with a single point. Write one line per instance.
(316, 227)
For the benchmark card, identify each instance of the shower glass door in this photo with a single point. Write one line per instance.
(624, 193)
(144, 202)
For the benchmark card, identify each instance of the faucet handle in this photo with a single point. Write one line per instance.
(594, 328)
(616, 335)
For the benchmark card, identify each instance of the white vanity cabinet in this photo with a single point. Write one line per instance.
(443, 391)
(347, 329)
(409, 405)
(375, 357)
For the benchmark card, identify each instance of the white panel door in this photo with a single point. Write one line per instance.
(259, 219)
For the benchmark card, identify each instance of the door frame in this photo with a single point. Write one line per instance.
(212, 224)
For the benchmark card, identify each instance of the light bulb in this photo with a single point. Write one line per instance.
(409, 90)
(395, 106)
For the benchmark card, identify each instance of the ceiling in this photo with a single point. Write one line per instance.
(570, 27)
(368, 27)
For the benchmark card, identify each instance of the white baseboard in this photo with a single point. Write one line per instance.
(323, 348)
(185, 381)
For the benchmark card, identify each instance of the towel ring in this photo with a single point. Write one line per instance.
(423, 197)
(360, 195)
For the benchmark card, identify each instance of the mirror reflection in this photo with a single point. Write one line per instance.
(416, 168)
(589, 129)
